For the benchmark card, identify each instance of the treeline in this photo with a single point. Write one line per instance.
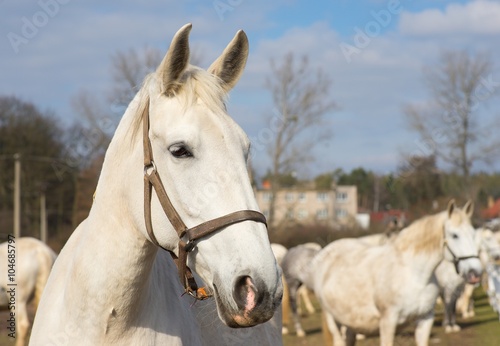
(53, 157)
(417, 186)
(420, 187)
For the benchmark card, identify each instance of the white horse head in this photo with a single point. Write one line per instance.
(460, 246)
(200, 154)
(488, 245)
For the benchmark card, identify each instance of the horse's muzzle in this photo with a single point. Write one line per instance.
(255, 303)
(473, 277)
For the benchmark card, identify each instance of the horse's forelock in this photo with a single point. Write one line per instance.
(459, 217)
(195, 84)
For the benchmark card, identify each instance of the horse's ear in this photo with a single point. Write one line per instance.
(175, 61)
(469, 208)
(229, 66)
(451, 207)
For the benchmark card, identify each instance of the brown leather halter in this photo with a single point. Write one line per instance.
(152, 180)
(456, 259)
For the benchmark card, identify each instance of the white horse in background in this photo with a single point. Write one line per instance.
(112, 284)
(302, 293)
(489, 252)
(451, 286)
(297, 271)
(33, 262)
(488, 244)
(373, 289)
(279, 252)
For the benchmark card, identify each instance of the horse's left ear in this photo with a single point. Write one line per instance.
(469, 208)
(229, 66)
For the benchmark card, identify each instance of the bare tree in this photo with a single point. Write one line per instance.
(301, 98)
(450, 125)
(128, 69)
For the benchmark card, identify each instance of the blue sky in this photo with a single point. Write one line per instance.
(73, 41)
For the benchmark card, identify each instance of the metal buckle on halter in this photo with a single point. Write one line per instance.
(189, 246)
(151, 166)
(199, 294)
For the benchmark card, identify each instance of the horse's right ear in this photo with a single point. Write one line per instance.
(469, 208)
(451, 207)
(175, 61)
(229, 66)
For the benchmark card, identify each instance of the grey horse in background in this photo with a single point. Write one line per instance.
(297, 269)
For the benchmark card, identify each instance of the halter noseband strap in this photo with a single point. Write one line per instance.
(457, 259)
(152, 180)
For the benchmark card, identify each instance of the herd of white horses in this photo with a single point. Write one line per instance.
(377, 284)
(113, 283)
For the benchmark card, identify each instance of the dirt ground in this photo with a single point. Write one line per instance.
(481, 330)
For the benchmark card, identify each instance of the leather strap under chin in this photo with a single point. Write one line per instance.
(152, 180)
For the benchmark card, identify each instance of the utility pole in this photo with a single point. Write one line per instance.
(43, 218)
(17, 195)
(376, 199)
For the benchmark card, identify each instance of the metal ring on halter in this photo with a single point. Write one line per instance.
(147, 167)
(189, 246)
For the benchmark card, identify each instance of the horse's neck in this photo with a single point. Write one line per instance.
(421, 244)
(119, 256)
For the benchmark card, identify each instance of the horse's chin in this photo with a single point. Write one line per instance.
(240, 319)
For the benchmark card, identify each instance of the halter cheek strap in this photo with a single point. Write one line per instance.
(152, 180)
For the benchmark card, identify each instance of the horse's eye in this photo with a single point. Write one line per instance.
(180, 151)
(454, 236)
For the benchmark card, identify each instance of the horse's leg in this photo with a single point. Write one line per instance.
(470, 308)
(461, 303)
(285, 303)
(327, 333)
(452, 308)
(387, 327)
(350, 337)
(423, 330)
(22, 323)
(469, 301)
(304, 294)
(292, 291)
(449, 309)
(334, 329)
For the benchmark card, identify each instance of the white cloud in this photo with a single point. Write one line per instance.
(476, 17)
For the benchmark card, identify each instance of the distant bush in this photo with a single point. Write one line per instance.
(317, 233)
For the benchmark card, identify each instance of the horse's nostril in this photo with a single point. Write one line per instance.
(245, 293)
